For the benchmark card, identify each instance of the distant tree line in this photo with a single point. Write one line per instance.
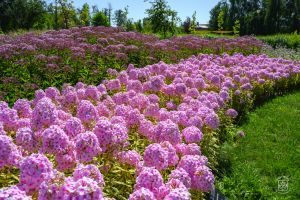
(37, 14)
(256, 16)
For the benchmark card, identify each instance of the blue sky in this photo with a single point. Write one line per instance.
(137, 7)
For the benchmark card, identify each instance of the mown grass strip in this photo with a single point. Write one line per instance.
(270, 150)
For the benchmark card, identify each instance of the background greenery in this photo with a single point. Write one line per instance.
(270, 149)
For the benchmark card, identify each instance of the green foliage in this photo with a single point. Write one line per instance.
(21, 14)
(85, 17)
(108, 12)
(162, 18)
(99, 19)
(258, 16)
(269, 150)
(192, 28)
(120, 17)
(236, 28)
(221, 21)
(130, 25)
(187, 25)
(67, 14)
(282, 40)
(139, 26)
(281, 52)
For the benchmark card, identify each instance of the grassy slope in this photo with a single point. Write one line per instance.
(270, 149)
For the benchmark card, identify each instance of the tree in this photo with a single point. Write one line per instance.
(214, 14)
(163, 19)
(108, 12)
(99, 19)
(68, 13)
(95, 9)
(120, 17)
(21, 14)
(292, 15)
(258, 16)
(273, 16)
(193, 23)
(187, 25)
(236, 28)
(221, 21)
(85, 17)
(130, 26)
(147, 25)
(139, 26)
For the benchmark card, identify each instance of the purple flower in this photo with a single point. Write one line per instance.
(91, 92)
(142, 194)
(156, 156)
(171, 105)
(203, 179)
(9, 117)
(3, 105)
(247, 86)
(212, 121)
(190, 163)
(156, 83)
(90, 171)
(190, 149)
(241, 134)
(34, 169)
(66, 160)
(86, 112)
(231, 113)
(22, 106)
(149, 178)
(168, 131)
(237, 92)
(110, 136)
(178, 194)
(135, 85)
(52, 93)
(180, 89)
(182, 176)
(130, 157)
(44, 114)
(26, 138)
(13, 192)
(9, 152)
(73, 127)
(55, 140)
(172, 155)
(84, 188)
(147, 129)
(113, 85)
(192, 134)
(51, 188)
(87, 146)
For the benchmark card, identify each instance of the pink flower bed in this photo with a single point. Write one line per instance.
(148, 123)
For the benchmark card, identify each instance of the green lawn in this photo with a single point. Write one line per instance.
(270, 149)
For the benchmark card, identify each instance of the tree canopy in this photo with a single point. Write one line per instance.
(257, 16)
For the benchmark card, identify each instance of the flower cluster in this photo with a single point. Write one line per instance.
(144, 125)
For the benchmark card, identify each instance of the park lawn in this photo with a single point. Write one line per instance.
(269, 150)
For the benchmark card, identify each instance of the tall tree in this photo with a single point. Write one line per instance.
(272, 18)
(163, 19)
(85, 17)
(139, 26)
(120, 17)
(193, 22)
(100, 19)
(21, 14)
(68, 13)
(187, 25)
